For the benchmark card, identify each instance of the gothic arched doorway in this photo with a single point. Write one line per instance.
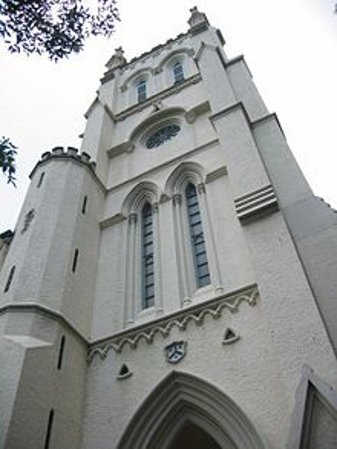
(192, 436)
(185, 412)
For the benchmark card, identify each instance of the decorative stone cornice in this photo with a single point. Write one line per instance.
(175, 88)
(254, 204)
(195, 313)
(154, 52)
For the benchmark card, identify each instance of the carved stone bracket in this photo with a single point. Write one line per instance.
(133, 218)
(177, 199)
(181, 319)
(201, 188)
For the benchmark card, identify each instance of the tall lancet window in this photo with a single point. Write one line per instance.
(147, 256)
(197, 237)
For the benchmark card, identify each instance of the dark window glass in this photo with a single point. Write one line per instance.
(141, 91)
(163, 134)
(75, 260)
(147, 257)
(197, 237)
(40, 180)
(61, 351)
(178, 72)
(9, 279)
(49, 429)
(84, 205)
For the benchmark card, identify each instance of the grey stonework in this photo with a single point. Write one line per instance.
(82, 362)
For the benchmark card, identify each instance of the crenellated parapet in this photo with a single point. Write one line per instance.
(65, 153)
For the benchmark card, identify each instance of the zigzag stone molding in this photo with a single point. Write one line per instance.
(163, 326)
(254, 204)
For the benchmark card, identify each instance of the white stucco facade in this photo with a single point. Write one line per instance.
(83, 352)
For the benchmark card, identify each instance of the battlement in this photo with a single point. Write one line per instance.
(65, 153)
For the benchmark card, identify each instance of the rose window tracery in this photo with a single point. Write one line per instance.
(162, 135)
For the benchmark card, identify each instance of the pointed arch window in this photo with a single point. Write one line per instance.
(141, 91)
(147, 256)
(178, 72)
(197, 237)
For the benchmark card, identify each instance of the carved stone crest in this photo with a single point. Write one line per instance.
(175, 351)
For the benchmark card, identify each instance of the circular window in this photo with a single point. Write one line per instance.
(161, 135)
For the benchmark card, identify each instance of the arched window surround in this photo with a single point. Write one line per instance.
(184, 56)
(169, 121)
(158, 119)
(133, 206)
(185, 174)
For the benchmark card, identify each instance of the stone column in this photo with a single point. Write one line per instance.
(209, 239)
(130, 270)
(184, 287)
(158, 297)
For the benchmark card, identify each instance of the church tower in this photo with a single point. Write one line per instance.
(173, 284)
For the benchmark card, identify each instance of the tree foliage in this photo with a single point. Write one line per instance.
(7, 159)
(54, 27)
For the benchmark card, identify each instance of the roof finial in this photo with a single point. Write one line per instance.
(198, 20)
(117, 59)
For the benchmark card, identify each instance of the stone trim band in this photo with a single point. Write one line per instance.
(163, 326)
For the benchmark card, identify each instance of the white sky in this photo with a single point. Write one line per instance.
(289, 45)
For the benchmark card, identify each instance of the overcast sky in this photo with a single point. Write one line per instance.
(289, 45)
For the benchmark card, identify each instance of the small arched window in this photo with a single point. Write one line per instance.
(197, 237)
(178, 72)
(147, 256)
(141, 91)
